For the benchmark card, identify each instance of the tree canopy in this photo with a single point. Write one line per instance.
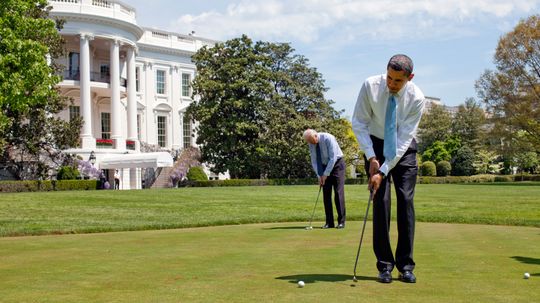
(30, 135)
(255, 99)
(512, 90)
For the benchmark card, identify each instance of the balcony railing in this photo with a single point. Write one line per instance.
(94, 76)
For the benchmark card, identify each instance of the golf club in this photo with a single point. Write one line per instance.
(362, 236)
(313, 212)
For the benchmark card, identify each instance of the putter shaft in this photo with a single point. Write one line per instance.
(362, 235)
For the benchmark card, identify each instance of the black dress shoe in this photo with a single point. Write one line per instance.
(407, 277)
(385, 276)
(340, 226)
(327, 226)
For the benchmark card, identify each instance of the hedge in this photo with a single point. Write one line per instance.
(47, 185)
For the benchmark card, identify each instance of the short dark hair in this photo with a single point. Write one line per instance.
(401, 62)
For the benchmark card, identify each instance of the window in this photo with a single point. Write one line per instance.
(162, 131)
(139, 127)
(186, 127)
(105, 125)
(186, 85)
(104, 73)
(160, 82)
(137, 79)
(74, 112)
(73, 72)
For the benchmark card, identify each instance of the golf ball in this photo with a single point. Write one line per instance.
(301, 284)
(526, 275)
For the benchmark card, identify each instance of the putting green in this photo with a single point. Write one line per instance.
(263, 263)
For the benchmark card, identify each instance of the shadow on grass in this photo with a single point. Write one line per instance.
(313, 278)
(286, 227)
(527, 260)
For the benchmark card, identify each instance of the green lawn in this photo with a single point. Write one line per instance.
(100, 211)
(263, 262)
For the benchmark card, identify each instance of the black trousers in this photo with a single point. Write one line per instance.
(403, 176)
(336, 180)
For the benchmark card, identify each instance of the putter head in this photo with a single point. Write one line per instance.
(309, 228)
(355, 279)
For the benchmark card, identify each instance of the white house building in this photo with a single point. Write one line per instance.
(130, 84)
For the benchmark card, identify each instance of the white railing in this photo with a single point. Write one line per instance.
(66, 1)
(106, 8)
(102, 3)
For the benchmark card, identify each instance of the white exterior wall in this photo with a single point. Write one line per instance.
(105, 22)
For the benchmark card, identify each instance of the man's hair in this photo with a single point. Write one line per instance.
(309, 132)
(401, 62)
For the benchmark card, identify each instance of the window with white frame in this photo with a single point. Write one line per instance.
(137, 79)
(105, 125)
(186, 130)
(186, 85)
(73, 72)
(160, 82)
(162, 131)
(139, 127)
(74, 112)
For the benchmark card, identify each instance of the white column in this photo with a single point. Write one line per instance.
(116, 107)
(131, 98)
(88, 140)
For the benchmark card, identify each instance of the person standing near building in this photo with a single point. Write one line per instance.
(328, 164)
(116, 179)
(385, 122)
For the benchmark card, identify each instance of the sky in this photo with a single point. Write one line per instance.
(452, 42)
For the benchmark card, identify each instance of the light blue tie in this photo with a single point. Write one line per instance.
(390, 130)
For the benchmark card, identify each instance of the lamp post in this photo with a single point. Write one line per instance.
(92, 158)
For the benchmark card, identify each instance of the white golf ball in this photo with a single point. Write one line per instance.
(526, 275)
(301, 284)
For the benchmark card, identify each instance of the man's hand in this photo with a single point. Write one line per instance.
(322, 179)
(373, 166)
(375, 182)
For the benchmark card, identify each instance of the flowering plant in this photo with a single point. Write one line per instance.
(104, 142)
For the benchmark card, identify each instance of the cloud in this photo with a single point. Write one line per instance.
(312, 21)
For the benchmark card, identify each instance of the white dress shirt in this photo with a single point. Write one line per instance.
(369, 115)
(330, 153)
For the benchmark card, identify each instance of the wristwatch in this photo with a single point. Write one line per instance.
(381, 173)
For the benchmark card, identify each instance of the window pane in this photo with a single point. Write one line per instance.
(162, 133)
(137, 79)
(186, 127)
(74, 112)
(186, 83)
(105, 125)
(160, 82)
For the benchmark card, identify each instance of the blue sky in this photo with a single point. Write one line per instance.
(450, 41)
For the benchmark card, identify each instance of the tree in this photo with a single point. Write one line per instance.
(434, 126)
(436, 152)
(31, 137)
(462, 163)
(468, 124)
(486, 162)
(254, 102)
(512, 91)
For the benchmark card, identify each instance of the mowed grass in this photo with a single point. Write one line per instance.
(264, 262)
(103, 211)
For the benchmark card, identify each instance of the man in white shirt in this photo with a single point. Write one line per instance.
(328, 164)
(385, 122)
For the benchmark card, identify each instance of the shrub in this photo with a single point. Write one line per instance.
(443, 168)
(463, 162)
(196, 173)
(429, 169)
(68, 173)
